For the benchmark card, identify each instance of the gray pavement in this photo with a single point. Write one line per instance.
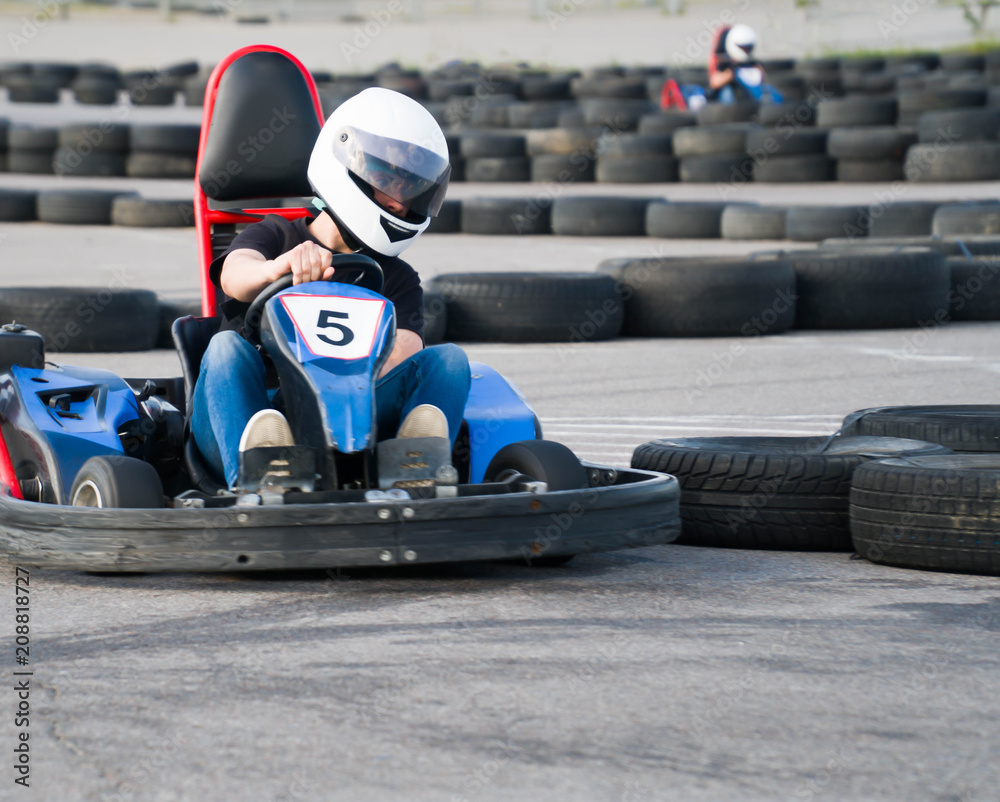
(661, 673)
(671, 673)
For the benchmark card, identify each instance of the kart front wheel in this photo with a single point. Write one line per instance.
(545, 461)
(117, 481)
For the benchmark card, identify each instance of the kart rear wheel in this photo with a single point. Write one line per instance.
(545, 461)
(117, 481)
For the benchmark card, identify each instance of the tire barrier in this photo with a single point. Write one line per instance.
(703, 296)
(913, 118)
(863, 289)
(769, 492)
(929, 512)
(85, 319)
(529, 307)
(965, 429)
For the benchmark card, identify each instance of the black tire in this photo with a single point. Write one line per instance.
(18, 205)
(142, 164)
(718, 139)
(724, 113)
(151, 213)
(975, 290)
(69, 161)
(962, 161)
(620, 114)
(505, 216)
(767, 492)
(599, 217)
(666, 122)
(170, 310)
(901, 218)
(194, 91)
(949, 246)
(22, 136)
(545, 89)
(61, 75)
(645, 169)
(172, 139)
(684, 220)
(767, 143)
(572, 118)
(95, 92)
(609, 87)
(704, 297)
(636, 145)
(958, 219)
(89, 138)
(815, 223)
(543, 460)
(744, 221)
(859, 289)
(930, 513)
(870, 143)
(475, 145)
(77, 206)
(735, 169)
(492, 169)
(564, 141)
(83, 319)
(530, 307)
(435, 317)
(849, 111)
(964, 428)
(794, 169)
(117, 482)
(155, 96)
(914, 103)
(34, 162)
(562, 169)
(535, 115)
(869, 171)
(29, 89)
(448, 220)
(789, 115)
(964, 125)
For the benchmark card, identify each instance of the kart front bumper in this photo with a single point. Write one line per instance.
(640, 509)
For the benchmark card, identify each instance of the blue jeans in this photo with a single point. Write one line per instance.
(230, 390)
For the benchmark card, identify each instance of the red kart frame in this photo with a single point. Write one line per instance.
(205, 217)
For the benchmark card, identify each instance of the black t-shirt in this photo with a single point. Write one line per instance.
(274, 235)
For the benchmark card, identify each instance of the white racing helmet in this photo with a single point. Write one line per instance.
(385, 141)
(740, 42)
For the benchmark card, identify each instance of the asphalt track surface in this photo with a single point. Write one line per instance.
(660, 673)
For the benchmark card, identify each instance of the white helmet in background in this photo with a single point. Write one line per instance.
(740, 42)
(380, 141)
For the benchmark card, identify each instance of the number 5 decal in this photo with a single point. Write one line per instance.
(346, 335)
(334, 325)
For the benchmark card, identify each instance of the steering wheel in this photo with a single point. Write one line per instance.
(369, 275)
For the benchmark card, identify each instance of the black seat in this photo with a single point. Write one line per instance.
(191, 338)
(264, 126)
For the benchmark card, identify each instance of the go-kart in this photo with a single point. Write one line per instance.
(101, 473)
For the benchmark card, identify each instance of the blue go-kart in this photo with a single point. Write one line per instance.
(100, 473)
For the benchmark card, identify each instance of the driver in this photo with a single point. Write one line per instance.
(379, 170)
(733, 50)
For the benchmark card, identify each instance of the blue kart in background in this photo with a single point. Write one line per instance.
(101, 473)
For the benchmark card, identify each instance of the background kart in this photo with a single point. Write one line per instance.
(88, 460)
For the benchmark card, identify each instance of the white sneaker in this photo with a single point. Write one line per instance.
(424, 421)
(266, 428)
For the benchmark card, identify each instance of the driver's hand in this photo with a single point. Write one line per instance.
(307, 261)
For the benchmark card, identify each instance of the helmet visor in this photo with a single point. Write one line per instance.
(408, 173)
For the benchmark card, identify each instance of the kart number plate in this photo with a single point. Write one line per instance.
(335, 326)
